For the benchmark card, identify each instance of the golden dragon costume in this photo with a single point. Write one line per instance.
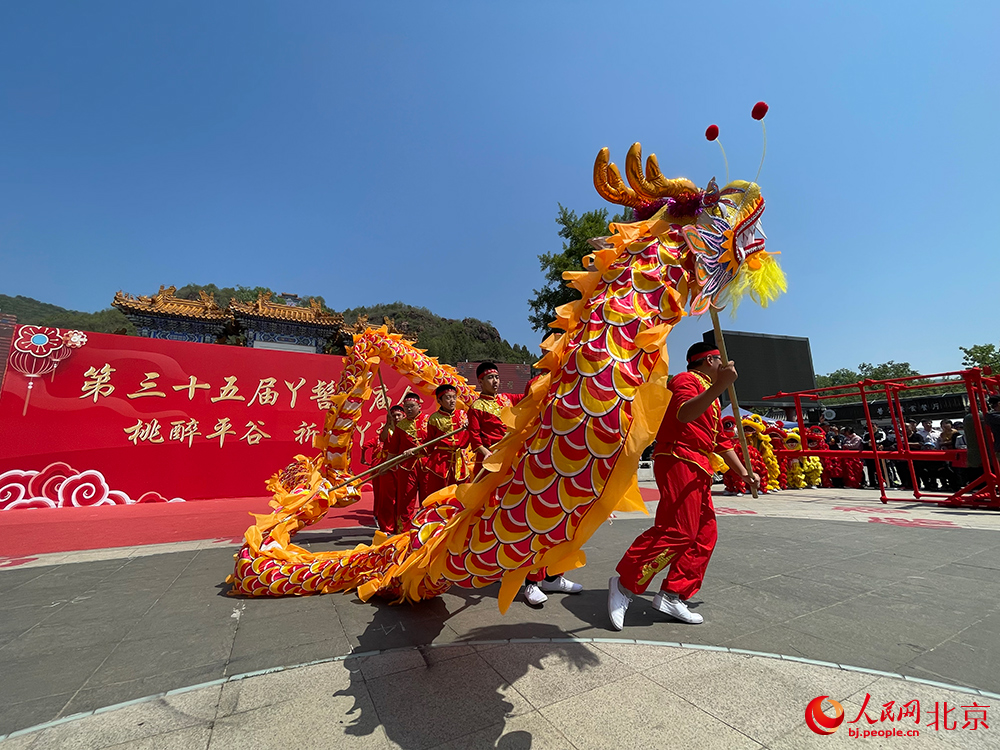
(761, 440)
(573, 443)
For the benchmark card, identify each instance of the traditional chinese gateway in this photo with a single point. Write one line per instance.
(263, 324)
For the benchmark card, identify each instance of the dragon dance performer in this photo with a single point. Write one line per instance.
(486, 429)
(446, 462)
(410, 432)
(376, 451)
(684, 533)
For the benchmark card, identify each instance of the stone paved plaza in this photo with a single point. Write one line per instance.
(810, 593)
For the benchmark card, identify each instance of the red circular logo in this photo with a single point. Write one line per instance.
(818, 721)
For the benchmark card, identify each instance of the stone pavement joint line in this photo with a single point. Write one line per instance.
(264, 673)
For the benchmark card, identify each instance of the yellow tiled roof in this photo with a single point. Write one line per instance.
(263, 307)
(165, 303)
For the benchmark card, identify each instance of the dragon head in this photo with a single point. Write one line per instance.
(720, 228)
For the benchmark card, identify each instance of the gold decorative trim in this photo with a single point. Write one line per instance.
(263, 307)
(165, 303)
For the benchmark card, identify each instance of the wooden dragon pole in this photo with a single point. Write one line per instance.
(720, 341)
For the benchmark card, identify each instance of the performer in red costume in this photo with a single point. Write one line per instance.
(375, 452)
(684, 533)
(445, 463)
(486, 430)
(485, 426)
(409, 433)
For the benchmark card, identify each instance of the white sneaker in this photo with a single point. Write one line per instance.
(560, 586)
(534, 596)
(671, 604)
(739, 494)
(617, 603)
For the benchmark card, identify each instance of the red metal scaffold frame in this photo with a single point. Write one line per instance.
(983, 490)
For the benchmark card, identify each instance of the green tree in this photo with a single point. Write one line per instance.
(222, 295)
(865, 371)
(843, 376)
(575, 230)
(450, 340)
(886, 370)
(32, 312)
(981, 355)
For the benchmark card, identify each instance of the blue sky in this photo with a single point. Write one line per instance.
(374, 152)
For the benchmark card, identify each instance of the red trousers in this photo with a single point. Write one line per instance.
(538, 575)
(407, 498)
(683, 534)
(384, 505)
(431, 483)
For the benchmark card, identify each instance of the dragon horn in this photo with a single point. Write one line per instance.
(653, 184)
(663, 187)
(609, 183)
(667, 188)
(633, 171)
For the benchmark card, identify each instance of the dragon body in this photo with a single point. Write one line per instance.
(571, 451)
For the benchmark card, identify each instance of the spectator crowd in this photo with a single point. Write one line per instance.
(928, 476)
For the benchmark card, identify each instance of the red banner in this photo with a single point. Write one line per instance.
(155, 419)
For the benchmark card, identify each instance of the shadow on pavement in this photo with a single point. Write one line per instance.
(459, 694)
(590, 606)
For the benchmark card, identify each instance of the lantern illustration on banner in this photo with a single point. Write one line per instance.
(71, 340)
(38, 350)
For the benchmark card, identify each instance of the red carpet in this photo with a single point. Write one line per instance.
(35, 532)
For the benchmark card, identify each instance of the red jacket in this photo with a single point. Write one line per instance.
(409, 433)
(485, 427)
(693, 441)
(445, 458)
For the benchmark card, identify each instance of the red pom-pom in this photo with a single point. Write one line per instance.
(759, 110)
(712, 132)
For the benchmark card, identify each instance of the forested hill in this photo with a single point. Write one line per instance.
(32, 312)
(449, 340)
